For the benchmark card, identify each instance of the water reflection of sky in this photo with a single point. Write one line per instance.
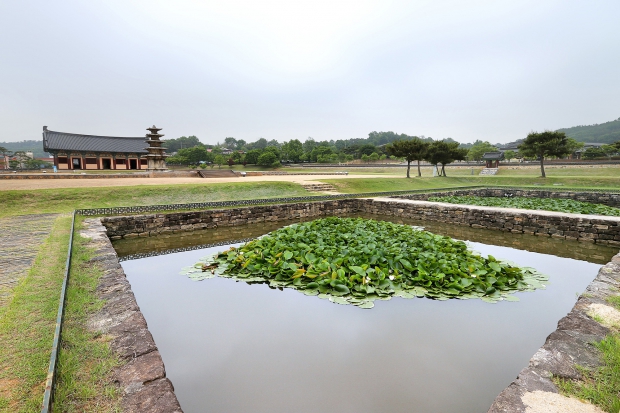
(233, 347)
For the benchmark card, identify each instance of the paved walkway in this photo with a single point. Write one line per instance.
(20, 239)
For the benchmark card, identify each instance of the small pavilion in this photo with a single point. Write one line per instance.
(492, 159)
(72, 151)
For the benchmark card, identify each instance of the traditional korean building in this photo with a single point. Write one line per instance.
(492, 159)
(73, 151)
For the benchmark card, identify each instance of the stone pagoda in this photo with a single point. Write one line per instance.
(156, 157)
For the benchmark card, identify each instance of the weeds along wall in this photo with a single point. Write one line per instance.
(601, 230)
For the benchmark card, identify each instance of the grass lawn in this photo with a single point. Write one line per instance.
(85, 363)
(68, 199)
(398, 184)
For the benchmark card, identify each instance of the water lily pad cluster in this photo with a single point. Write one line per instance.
(547, 204)
(356, 261)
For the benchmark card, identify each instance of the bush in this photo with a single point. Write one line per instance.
(267, 158)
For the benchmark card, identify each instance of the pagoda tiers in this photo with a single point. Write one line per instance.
(156, 156)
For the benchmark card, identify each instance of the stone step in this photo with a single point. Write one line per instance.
(217, 173)
(319, 187)
(489, 171)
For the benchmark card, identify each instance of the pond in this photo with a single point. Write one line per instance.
(229, 346)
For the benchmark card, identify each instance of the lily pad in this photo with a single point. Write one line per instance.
(356, 261)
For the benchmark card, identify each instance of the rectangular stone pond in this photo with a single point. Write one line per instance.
(233, 347)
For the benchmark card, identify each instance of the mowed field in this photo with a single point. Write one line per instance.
(31, 196)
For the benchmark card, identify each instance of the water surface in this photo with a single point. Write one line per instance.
(233, 347)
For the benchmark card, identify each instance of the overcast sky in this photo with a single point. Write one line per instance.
(488, 69)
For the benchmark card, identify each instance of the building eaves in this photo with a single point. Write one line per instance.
(63, 141)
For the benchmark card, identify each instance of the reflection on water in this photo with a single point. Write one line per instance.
(233, 347)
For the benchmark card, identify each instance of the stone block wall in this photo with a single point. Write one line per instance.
(605, 198)
(154, 224)
(602, 230)
(590, 228)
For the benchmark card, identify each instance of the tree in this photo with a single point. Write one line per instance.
(4, 152)
(219, 160)
(478, 149)
(367, 149)
(609, 150)
(275, 150)
(230, 143)
(545, 144)
(412, 150)
(309, 145)
(510, 155)
(593, 153)
(173, 145)
(443, 152)
(267, 158)
(252, 156)
(320, 151)
(259, 144)
(292, 150)
(194, 155)
(374, 157)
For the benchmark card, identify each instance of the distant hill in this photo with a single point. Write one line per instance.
(607, 132)
(36, 147)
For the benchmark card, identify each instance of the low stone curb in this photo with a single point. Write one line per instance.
(567, 347)
(142, 376)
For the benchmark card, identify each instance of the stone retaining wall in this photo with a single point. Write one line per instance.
(588, 228)
(141, 375)
(154, 224)
(569, 346)
(609, 199)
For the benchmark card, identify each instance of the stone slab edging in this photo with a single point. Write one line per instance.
(569, 346)
(141, 376)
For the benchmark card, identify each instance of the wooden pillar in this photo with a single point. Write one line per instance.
(56, 160)
(98, 161)
(113, 162)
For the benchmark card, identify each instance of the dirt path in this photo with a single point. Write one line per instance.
(20, 239)
(28, 184)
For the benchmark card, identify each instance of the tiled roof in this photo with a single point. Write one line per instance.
(61, 141)
(493, 156)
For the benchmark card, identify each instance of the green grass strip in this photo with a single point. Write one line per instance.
(85, 363)
(27, 325)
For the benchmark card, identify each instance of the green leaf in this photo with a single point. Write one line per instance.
(358, 260)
